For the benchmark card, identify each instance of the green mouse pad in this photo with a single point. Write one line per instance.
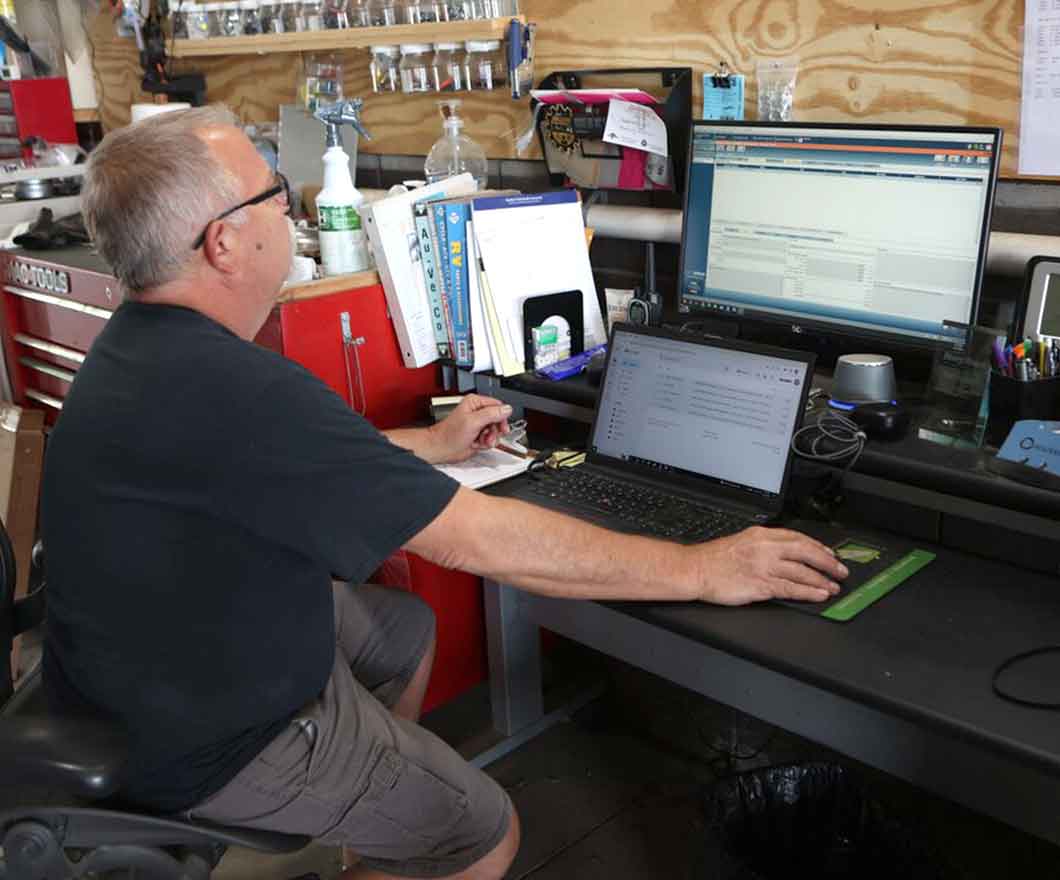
(878, 563)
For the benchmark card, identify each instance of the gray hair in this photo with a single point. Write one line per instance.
(150, 189)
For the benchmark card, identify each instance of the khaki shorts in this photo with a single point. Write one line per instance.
(346, 771)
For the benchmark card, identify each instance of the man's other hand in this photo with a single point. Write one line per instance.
(761, 563)
(477, 423)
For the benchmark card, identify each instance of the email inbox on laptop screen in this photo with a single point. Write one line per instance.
(690, 406)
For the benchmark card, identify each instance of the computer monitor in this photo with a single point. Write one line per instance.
(874, 231)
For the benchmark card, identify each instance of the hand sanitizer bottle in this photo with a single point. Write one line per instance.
(454, 153)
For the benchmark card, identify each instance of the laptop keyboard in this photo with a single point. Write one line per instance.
(634, 508)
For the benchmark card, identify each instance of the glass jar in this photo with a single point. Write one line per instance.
(409, 11)
(292, 17)
(360, 13)
(231, 18)
(432, 11)
(271, 17)
(447, 68)
(415, 67)
(313, 15)
(384, 12)
(335, 15)
(178, 21)
(383, 69)
(213, 19)
(196, 22)
(485, 67)
(251, 10)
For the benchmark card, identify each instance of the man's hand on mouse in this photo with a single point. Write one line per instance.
(761, 563)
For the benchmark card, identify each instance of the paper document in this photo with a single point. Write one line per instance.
(486, 467)
(1040, 105)
(636, 126)
(532, 245)
(480, 343)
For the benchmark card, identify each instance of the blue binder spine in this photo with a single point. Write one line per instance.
(460, 306)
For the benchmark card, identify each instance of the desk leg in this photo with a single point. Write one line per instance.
(514, 645)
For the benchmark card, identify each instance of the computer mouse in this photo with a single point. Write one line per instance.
(594, 370)
(881, 421)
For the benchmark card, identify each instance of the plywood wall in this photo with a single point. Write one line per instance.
(915, 61)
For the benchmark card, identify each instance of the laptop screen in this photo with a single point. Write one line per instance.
(720, 410)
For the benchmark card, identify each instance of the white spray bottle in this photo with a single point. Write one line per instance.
(343, 243)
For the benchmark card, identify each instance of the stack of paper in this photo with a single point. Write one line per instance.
(486, 467)
(529, 245)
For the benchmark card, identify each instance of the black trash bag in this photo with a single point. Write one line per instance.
(809, 820)
(47, 233)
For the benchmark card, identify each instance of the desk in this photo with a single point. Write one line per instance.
(905, 687)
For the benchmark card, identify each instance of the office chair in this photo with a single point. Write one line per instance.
(58, 772)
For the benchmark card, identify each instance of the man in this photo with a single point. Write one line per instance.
(200, 492)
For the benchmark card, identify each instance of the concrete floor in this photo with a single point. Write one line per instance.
(615, 793)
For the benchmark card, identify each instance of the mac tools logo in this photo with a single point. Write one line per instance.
(38, 277)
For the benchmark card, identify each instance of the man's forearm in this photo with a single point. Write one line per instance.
(418, 441)
(553, 554)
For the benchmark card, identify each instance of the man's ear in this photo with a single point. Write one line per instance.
(219, 247)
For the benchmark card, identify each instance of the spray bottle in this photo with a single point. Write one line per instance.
(343, 245)
(454, 153)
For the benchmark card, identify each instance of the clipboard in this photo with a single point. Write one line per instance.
(589, 160)
(566, 305)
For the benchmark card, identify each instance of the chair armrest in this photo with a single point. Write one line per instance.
(28, 612)
(83, 757)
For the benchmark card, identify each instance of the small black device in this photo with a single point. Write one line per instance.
(881, 421)
(645, 309)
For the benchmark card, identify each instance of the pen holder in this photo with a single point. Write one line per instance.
(1012, 400)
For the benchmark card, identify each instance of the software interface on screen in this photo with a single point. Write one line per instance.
(690, 407)
(872, 229)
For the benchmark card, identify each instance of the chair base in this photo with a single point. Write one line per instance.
(66, 843)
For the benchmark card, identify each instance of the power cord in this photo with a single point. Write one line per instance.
(831, 438)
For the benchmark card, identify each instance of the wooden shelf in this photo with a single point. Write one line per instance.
(346, 38)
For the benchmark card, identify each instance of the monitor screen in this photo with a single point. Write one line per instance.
(876, 231)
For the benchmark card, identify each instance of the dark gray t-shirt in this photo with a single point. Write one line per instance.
(199, 494)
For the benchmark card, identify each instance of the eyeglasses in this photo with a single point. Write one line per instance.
(280, 186)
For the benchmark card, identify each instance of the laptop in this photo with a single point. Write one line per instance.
(691, 438)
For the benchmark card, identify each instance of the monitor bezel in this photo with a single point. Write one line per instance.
(838, 328)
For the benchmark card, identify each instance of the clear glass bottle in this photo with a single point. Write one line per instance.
(409, 11)
(384, 12)
(431, 11)
(415, 67)
(454, 153)
(178, 21)
(213, 19)
(360, 13)
(231, 18)
(485, 66)
(447, 68)
(271, 17)
(336, 16)
(251, 10)
(292, 16)
(383, 69)
(313, 15)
